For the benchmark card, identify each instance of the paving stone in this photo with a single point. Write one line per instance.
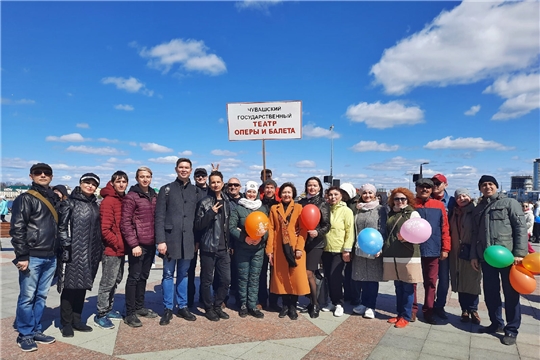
(383, 352)
(453, 351)
(305, 343)
(463, 339)
(232, 350)
(162, 355)
(402, 342)
(528, 350)
(272, 351)
(491, 342)
(483, 354)
(410, 331)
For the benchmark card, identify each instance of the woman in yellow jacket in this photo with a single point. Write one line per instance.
(285, 250)
(339, 243)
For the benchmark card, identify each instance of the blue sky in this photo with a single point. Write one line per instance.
(101, 86)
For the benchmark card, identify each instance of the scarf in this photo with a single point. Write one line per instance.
(288, 251)
(367, 206)
(250, 204)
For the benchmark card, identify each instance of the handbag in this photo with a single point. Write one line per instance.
(465, 252)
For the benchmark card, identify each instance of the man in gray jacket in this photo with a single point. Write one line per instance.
(175, 215)
(499, 220)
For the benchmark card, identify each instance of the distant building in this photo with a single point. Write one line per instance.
(521, 182)
(536, 174)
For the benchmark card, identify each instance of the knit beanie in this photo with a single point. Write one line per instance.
(462, 191)
(251, 185)
(487, 178)
(368, 187)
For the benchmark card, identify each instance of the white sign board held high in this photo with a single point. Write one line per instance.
(265, 120)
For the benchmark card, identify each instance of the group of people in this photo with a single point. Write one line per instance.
(67, 237)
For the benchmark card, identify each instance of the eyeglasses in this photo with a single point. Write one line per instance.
(403, 199)
(39, 172)
(437, 183)
(233, 185)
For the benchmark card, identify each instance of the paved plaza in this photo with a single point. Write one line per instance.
(325, 338)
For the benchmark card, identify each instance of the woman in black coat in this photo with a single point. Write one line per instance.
(316, 239)
(80, 236)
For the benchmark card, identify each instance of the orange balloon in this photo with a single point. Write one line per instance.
(256, 224)
(531, 262)
(522, 280)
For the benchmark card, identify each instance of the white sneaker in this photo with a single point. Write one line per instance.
(338, 311)
(328, 307)
(360, 309)
(369, 314)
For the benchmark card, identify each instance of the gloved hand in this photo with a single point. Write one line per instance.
(65, 257)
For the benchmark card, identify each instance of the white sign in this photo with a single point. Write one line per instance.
(265, 120)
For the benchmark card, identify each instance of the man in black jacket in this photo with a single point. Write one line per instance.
(34, 230)
(175, 214)
(212, 219)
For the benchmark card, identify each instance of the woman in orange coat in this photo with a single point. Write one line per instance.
(285, 250)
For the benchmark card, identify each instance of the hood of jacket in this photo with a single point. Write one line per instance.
(137, 189)
(108, 190)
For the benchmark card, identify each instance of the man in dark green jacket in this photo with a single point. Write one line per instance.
(499, 221)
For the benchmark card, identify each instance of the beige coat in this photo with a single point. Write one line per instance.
(285, 279)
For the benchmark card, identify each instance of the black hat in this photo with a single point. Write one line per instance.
(62, 189)
(200, 171)
(41, 166)
(487, 178)
(90, 176)
(423, 182)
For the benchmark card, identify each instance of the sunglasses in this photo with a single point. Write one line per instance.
(39, 172)
(234, 185)
(437, 183)
(403, 199)
(200, 176)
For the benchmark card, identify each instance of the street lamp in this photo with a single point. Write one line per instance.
(331, 149)
(425, 163)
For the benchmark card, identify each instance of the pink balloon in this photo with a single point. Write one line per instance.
(416, 230)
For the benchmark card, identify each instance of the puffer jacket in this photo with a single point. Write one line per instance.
(4, 207)
(340, 238)
(324, 224)
(137, 224)
(237, 230)
(499, 220)
(529, 221)
(206, 221)
(434, 212)
(80, 233)
(392, 246)
(34, 232)
(110, 212)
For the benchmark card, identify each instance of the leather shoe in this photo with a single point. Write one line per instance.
(509, 339)
(67, 331)
(256, 313)
(82, 327)
(222, 314)
(293, 315)
(185, 314)
(491, 329)
(413, 317)
(316, 311)
(475, 318)
(430, 320)
(283, 312)
(439, 311)
(211, 315)
(166, 318)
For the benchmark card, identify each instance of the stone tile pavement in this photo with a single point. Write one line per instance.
(328, 337)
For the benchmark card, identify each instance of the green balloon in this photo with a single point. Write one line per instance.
(498, 256)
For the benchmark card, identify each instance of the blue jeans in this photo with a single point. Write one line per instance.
(369, 291)
(492, 277)
(34, 286)
(468, 302)
(444, 283)
(167, 283)
(404, 299)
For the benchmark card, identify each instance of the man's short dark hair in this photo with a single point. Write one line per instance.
(216, 173)
(119, 175)
(181, 160)
(267, 171)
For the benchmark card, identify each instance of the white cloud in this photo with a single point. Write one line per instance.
(522, 94)
(470, 143)
(185, 153)
(114, 160)
(473, 41)
(397, 163)
(131, 85)
(465, 169)
(83, 126)
(107, 150)
(66, 177)
(261, 5)
(132, 143)
(255, 167)
(363, 146)
(227, 163)
(473, 110)
(105, 140)
(218, 152)
(5, 101)
(155, 147)
(124, 107)
(311, 130)
(165, 159)
(75, 137)
(191, 54)
(221, 120)
(383, 116)
(305, 164)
